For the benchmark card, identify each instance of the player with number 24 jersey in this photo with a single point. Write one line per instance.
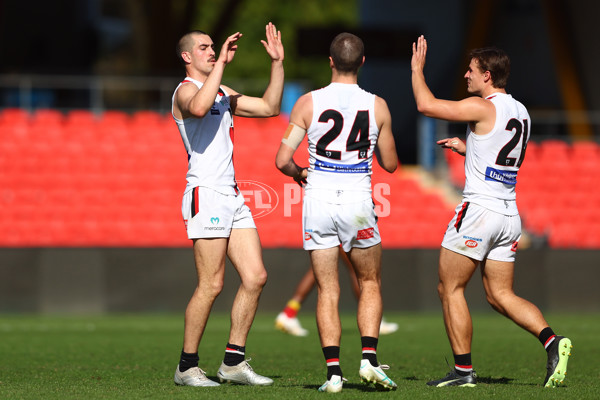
(341, 138)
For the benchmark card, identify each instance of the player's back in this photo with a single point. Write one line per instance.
(341, 138)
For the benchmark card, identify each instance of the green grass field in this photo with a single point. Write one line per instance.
(134, 357)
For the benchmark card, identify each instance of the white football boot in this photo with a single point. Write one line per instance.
(193, 377)
(243, 374)
(289, 325)
(333, 385)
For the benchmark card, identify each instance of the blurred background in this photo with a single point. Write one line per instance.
(92, 168)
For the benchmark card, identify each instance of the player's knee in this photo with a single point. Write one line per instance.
(441, 290)
(210, 288)
(369, 284)
(256, 280)
(497, 299)
(492, 301)
(329, 290)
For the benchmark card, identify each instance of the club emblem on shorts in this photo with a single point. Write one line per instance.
(307, 235)
(214, 220)
(367, 233)
(514, 246)
(471, 243)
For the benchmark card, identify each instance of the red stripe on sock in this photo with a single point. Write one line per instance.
(290, 312)
(549, 340)
(369, 348)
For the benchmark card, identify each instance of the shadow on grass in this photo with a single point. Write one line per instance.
(352, 386)
(494, 381)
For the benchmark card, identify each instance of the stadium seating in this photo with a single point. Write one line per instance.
(77, 179)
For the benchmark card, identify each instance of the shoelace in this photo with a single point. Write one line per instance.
(248, 365)
(199, 373)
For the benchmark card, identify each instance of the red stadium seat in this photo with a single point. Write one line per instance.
(48, 116)
(14, 116)
(80, 117)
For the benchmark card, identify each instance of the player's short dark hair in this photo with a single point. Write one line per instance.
(347, 52)
(494, 60)
(186, 43)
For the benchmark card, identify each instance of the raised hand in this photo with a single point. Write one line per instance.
(229, 47)
(419, 51)
(273, 44)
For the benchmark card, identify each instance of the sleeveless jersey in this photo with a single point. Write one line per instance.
(493, 160)
(209, 144)
(341, 139)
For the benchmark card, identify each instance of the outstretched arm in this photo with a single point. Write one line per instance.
(471, 109)
(194, 102)
(270, 103)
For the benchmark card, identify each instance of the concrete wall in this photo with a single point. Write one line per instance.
(149, 280)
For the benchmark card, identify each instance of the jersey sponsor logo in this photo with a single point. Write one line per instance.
(360, 168)
(214, 220)
(514, 246)
(496, 175)
(214, 110)
(367, 233)
(472, 238)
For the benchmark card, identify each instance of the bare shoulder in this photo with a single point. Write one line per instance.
(382, 111)
(187, 89)
(479, 102)
(380, 103)
(302, 111)
(305, 100)
(183, 95)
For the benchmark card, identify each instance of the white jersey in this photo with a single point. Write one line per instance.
(209, 144)
(493, 160)
(341, 140)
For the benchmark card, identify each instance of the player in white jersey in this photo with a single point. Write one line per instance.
(344, 125)
(486, 228)
(217, 220)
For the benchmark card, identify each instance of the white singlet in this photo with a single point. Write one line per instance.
(209, 144)
(337, 207)
(341, 140)
(492, 160)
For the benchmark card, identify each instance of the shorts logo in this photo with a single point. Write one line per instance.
(214, 221)
(365, 233)
(471, 243)
(307, 236)
(514, 246)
